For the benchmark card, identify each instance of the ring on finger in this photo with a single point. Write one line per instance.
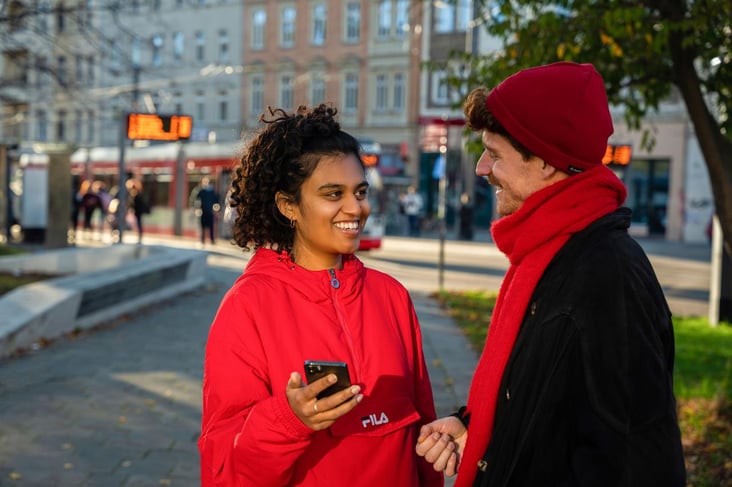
(315, 406)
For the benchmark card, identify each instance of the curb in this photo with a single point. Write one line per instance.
(130, 278)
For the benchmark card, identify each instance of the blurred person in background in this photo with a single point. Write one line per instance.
(207, 205)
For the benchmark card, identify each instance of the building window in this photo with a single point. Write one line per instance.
(440, 91)
(90, 120)
(90, 71)
(88, 11)
(44, 7)
(317, 89)
(157, 50)
(61, 61)
(41, 70)
(464, 15)
(77, 126)
(401, 22)
(350, 103)
(259, 20)
(223, 46)
(256, 102)
(382, 93)
(61, 126)
(136, 56)
(115, 56)
(223, 107)
(320, 15)
(79, 69)
(353, 22)
(399, 92)
(60, 17)
(383, 28)
(286, 95)
(452, 16)
(200, 45)
(200, 106)
(178, 46)
(42, 124)
(393, 19)
(287, 27)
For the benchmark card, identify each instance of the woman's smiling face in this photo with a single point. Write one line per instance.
(331, 213)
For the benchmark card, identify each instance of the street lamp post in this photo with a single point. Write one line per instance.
(441, 204)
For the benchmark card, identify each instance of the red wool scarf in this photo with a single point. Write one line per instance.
(530, 238)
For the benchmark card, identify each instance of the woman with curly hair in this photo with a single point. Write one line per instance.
(300, 200)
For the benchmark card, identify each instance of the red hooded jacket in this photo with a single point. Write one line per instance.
(276, 316)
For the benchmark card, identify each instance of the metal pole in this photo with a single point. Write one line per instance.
(5, 181)
(179, 188)
(441, 214)
(122, 190)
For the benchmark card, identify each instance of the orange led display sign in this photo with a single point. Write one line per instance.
(617, 154)
(152, 126)
(370, 159)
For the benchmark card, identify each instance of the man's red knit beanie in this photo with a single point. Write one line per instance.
(558, 111)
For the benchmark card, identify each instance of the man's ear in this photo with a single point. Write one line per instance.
(284, 205)
(551, 173)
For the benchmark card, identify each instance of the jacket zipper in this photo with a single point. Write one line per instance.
(335, 284)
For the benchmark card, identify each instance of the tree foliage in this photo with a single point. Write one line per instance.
(645, 50)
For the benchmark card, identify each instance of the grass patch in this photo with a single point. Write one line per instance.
(5, 250)
(8, 282)
(702, 382)
(703, 367)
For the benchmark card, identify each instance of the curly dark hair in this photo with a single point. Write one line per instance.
(280, 157)
(480, 118)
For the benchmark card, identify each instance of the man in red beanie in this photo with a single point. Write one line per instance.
(574, 386)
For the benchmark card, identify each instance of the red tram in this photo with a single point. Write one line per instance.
(156, 167)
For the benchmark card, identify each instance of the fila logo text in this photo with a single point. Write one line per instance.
(373, 420)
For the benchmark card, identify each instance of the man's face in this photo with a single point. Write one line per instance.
(503, 166)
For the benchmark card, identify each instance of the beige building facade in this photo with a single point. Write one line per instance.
(72, 68)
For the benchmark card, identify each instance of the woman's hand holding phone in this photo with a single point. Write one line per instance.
(319, 414)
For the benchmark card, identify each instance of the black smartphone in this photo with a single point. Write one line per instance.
(315, 369)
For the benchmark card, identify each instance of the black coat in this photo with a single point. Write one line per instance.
(586, 398)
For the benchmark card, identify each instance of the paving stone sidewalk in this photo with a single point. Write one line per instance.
(121, 406)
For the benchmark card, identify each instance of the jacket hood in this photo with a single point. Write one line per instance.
(315, 286)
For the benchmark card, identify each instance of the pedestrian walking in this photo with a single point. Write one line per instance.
(465, 214)
(300, 194)
(206, 202)
(413, 204)
(574, 386)
(137, 205)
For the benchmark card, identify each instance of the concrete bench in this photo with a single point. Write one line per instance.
(99, 285)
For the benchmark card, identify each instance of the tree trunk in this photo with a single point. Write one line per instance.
(717, 151)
